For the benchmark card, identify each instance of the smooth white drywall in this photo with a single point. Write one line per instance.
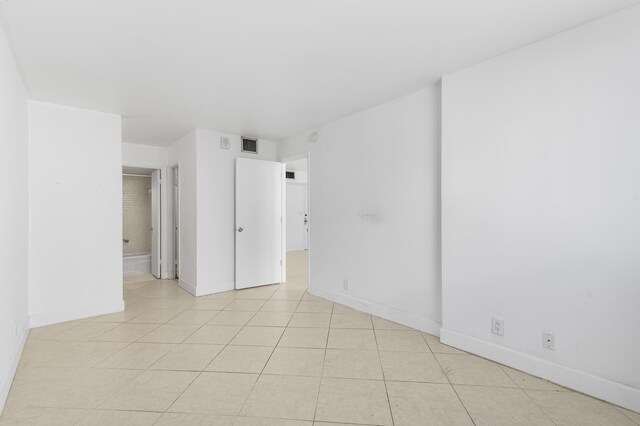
(14, 214)
(374, 209)
(541, 207)
(183, 154)
(75, 248)
(155, 157)
(216, 207)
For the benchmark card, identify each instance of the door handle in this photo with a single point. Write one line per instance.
(240, 229)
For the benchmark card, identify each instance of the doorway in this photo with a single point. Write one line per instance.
(141, 223)
(298, 219)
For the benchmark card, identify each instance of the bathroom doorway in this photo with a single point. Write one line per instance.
(141, 218)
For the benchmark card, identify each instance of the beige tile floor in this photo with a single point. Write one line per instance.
(271, 355)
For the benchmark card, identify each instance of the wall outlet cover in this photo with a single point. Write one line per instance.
(549, 341)
(497, 326)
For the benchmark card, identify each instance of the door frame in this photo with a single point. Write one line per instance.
(287, 159)
(164, 224)
(173, 219)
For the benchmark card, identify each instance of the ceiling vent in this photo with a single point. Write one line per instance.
(249, 145)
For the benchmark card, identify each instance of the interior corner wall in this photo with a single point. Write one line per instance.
(216, 207)
(75, 249)
(541, 208)
(183, 153)
(14, 214)
(375, 209)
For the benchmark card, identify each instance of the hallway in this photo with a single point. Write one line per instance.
(273, 352)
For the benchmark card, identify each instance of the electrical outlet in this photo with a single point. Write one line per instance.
(548, 341)
(345, 284)
(497, 326)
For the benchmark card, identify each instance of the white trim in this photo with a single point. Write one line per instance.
(616, 393)
(187, 286)
(283, 224)
(386, 312)
(7, 379)
(48, 318)
(169, 274)
(203, 290)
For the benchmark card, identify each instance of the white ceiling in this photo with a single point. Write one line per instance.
(268, 68)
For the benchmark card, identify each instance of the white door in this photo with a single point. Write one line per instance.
(296, 210)
(259, 222)
(155, 223)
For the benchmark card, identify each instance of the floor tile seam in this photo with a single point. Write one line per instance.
(132, 320)
(426, 341)
(453, 388)
(95, 367)
(524, 391)
(178, 343)
(386, 390)
(324, 357)
(183, 391)
(527, 391)
(625, 414)
(262, 370)
(223, 348)
(120, 387)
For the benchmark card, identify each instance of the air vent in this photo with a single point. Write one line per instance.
(249, 145)
(290, 175)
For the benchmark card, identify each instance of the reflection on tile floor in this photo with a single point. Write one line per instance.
(271, 355)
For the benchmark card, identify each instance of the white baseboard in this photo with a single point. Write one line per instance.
(8, 376)
(203, 289)
(187, 286)
(386, 312)
(607, 390)
(48, 318)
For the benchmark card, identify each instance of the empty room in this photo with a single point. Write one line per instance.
(320, 212)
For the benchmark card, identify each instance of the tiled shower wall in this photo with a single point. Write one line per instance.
(136, 214)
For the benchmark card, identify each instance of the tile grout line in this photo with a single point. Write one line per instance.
(384, 379)
(524, 391)
(324, 357)
(452, 387)
(210, 362)
(268, 359)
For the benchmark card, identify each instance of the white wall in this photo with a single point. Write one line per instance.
(216, 207)
(541, 207)
(75, 250)
(183, 153)
(374, 209)
(14, 184)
